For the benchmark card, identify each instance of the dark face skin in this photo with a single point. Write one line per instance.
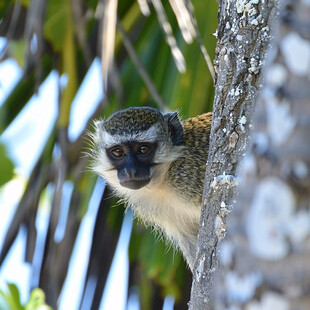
(133, 161)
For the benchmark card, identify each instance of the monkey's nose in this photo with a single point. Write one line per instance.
(135, 183)
(133, 178)
(130, 172)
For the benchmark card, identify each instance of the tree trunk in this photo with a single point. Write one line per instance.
(243, 37)
(265, 260)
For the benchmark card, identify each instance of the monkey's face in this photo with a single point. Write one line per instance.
(133, 162)
(132, 146)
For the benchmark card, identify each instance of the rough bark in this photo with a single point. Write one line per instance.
(243, 38)
(265, 258)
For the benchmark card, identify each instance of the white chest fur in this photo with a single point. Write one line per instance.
(162, 207)
(159, 204)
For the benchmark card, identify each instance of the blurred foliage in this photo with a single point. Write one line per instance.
(10, 300)
(6, 166)
(37, 301)
(67, 35)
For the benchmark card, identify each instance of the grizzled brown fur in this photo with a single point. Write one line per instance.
(192, 165)
(132, 120)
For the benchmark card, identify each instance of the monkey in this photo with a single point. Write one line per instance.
(156, 163)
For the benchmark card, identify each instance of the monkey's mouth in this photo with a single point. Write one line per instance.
(135, 183)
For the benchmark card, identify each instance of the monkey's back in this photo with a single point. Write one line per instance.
(188, 172)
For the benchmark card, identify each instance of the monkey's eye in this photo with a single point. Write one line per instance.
(118, 152)
(143, 149)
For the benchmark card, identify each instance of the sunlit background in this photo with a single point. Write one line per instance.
(24, 140)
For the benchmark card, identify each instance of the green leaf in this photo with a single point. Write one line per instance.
(17, 50)
(69, 67)
(55, 26)
(11, 298)
(4, 5)
(6, 166)
(59, 30)
(14, 293)
(37, 301)
(25, 3)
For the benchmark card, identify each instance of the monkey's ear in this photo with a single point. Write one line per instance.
(175, 127)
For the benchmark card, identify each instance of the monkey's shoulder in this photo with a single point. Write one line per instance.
(197, 131)
(186, 174)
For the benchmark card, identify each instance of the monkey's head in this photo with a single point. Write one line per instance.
(131, 145)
